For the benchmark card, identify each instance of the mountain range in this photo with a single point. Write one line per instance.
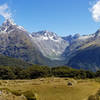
(47, 48)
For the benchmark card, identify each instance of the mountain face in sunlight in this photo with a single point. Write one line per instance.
(47, 48)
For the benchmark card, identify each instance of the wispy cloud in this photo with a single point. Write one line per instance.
(5, 11)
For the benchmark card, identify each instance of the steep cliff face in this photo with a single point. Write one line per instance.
(50, 45)
(16, 42)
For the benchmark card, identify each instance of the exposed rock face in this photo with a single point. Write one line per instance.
(84, 52)
(51, 45)
(16, 42)
(46, 48)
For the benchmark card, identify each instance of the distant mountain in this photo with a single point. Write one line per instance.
(47, 48)
(75, 42)
(84, 52)
(16, 42)
(50, 45)
(88, 59)
(71, 38)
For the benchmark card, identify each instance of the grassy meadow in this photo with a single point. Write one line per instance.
(50, 89)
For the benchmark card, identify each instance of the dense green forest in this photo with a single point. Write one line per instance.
(12, 68)
(36, 71)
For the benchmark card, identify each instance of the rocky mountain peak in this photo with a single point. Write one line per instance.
(9, 25)
(76, 36)
(44, 33)
(8, 22)
(97, 32)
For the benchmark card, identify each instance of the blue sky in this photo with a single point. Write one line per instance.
(61, 16)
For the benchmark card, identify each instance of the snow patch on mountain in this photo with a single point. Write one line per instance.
(8, 22)
(9, 26)
(84, 37)
(49, 43)
(21, 28)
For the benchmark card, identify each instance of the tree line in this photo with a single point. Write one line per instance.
(36, 71)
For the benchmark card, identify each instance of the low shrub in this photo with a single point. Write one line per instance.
(30, 95)
(93, 97)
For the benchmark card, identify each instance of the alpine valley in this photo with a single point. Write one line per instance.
(47, 48)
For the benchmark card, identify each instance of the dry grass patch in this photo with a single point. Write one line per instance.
(53, 88)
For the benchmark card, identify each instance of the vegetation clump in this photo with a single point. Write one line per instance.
(69, 83)
(29, 95)
(95, 97)
(35, 71)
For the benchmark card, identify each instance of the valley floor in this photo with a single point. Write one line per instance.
(53, 88)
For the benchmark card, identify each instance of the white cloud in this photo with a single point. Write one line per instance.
(5, 11)
(95, 10)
